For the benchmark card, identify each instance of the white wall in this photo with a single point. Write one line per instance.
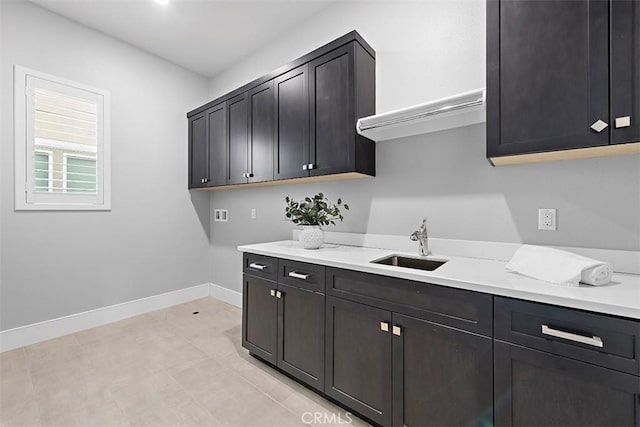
(155, 239)
(426, 50)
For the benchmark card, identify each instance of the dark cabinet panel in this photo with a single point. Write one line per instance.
(548, 75)
(217, 131)
(259, 317)
(198, 151)
(238, 139)
(292, 124)
(537, 388)
(331, 89)
(301, 334)
(261, 117)
(358, 358)
(442, 376)
(602, 340)
(625, 71)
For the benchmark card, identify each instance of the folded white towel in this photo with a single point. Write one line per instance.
(556, 266)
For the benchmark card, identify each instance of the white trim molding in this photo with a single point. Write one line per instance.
(226, 295)
(48, 329)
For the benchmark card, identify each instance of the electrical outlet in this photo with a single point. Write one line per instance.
(254, 213)
(220, 215)
(547, 219)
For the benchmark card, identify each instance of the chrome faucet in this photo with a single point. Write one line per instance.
(420, 235)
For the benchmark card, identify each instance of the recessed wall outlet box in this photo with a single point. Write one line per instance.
(547, 219)
(254, 213)
(220, 215)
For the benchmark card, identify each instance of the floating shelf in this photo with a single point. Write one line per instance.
(454, 111)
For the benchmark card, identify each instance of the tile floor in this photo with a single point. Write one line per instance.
(165, 368)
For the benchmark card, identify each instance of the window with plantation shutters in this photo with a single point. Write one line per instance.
(62, 142)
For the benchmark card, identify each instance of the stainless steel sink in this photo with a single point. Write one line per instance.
(409, 262)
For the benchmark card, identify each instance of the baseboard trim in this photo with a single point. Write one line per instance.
(48, 329)
(226, 295)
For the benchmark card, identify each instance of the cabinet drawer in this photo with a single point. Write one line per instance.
(595, 338)
(260, 266)
(301, 275)
(471, 311)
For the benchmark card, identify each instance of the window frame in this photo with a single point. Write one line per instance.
(26, 198)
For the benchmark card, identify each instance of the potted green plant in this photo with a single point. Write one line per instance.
(311, 214)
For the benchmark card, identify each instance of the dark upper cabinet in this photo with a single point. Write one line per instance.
(625, 70)
(260, 140)
(291, 149)
(537, 388)
(341, 90)
(297, 122)
(558, 69)
(238, 139)
(358, 355)
(198, 151)
(217, 132)
(441, 375)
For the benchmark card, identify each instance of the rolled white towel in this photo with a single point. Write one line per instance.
(556, 266)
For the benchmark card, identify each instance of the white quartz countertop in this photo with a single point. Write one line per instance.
(621, 297)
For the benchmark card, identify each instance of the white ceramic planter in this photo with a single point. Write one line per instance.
(311, 237)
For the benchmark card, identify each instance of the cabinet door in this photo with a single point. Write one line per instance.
(259, 317)
(333, 124)
(537, 388)
(292, 124)
(198, 151)
(358, 355)
(547, 75)
(301, 334)
(442, 375)
(261, 117)
(625, 71)
(238, 140)
(217, 131)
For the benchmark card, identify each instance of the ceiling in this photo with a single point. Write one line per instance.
(205, 36)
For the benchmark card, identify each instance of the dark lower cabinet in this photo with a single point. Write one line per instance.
(283, 324)
(534, 388)
(358, 355)
(301, 334)
(260, 317)
(442, 375)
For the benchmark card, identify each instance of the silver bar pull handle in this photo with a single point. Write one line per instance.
(593, 340)
(299, 275)
(304, 167)
(397, 330)
(272, 292)
(384, 326)
(278, 294)
(310, 166)
(257, 266)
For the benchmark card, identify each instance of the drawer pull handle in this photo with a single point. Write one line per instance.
(257, 266)
(593, 340)
(299, 275)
